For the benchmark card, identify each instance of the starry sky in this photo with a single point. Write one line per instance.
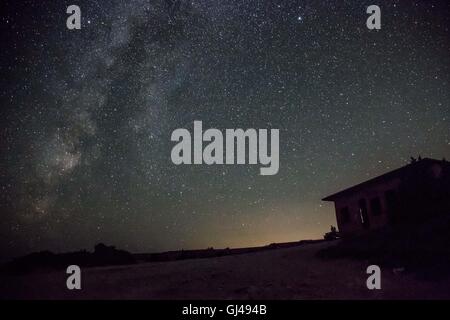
(87, 115)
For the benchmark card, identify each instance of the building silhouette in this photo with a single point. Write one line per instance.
(399, 198)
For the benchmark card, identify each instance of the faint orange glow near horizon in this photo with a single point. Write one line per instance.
(279, 224)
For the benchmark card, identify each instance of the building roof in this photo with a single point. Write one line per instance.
(387, 176)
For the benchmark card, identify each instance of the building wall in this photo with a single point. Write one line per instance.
(351, 223)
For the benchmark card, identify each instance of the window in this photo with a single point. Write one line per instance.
(345, 215)
(363, 215)
(375, 206)
(391, 199)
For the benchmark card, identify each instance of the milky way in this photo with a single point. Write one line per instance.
(87, 115)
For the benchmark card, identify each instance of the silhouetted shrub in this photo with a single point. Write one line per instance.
(46, 260)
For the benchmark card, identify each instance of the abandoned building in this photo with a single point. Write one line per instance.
(420, 188)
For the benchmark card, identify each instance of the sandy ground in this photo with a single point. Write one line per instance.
(292, 273)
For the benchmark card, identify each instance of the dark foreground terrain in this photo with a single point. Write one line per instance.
(284, 273)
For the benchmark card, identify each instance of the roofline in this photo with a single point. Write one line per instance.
(391, 173)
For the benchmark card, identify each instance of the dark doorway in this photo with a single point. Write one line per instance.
(345, 215)
(375, 206)
(391, 204)
(363, 215)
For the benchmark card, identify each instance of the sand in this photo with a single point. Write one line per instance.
(290, 273)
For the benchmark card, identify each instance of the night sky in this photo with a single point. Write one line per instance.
(87, 115)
